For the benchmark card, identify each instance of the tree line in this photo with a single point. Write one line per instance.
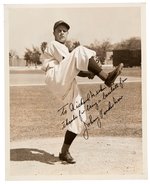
(32, 56)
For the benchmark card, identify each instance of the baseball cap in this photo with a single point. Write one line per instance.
(61, 22)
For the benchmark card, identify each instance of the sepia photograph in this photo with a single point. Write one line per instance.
(75, 91)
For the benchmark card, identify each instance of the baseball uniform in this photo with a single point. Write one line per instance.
(63, 68)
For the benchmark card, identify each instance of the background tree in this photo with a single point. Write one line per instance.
(133, 43)
(12, 56)
(128, 51)
(101, 49)
(72, 44)
(32, 56)
(43, 46)
(28, 57)
(35, 56)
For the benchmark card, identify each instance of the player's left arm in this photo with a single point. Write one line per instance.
(88, 74)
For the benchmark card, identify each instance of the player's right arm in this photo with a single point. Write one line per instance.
(58, 51)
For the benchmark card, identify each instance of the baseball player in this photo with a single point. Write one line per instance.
(61, 69)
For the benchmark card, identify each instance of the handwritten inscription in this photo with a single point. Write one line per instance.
(112, 104)
(88, 98)
(92, 100)
(91, 121)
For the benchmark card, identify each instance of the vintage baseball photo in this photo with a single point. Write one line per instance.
(75, 91)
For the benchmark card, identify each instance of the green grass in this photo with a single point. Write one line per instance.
(33, 113)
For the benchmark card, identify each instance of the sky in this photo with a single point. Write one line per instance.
(31, 25)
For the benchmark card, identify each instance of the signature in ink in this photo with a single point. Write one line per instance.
(67, 122)
(63, 110)
(122, 81)
(94, 94)
(91, 121)
(69, 107)
(86, 125)
(73, 107)
(111, 105)
(114, 87)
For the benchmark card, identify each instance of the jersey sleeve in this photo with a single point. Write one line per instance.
(58, 51)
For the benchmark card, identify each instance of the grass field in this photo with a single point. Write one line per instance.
(33, 112)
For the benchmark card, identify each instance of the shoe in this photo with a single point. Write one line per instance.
(113, 75)
(66, 157)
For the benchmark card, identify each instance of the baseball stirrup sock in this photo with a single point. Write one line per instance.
(69, 137)
(93, 66)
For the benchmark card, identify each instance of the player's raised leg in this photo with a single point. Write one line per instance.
(109, 78)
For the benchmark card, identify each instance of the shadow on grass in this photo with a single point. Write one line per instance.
(28, 154)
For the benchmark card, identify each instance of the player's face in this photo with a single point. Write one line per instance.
(61, 33)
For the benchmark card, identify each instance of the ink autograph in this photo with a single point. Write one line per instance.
(89, 105)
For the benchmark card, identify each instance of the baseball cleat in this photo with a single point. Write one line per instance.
(66, 157)
(113, 75)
